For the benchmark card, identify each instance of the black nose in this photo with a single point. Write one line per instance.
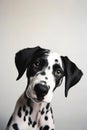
(41, 90)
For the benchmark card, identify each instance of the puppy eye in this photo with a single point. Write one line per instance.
(58, 73)
(36, 64)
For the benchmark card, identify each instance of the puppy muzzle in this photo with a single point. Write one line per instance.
(41, 91)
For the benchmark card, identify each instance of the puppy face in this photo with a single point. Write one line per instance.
(45, 73)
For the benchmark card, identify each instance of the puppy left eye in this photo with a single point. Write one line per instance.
(58, 73)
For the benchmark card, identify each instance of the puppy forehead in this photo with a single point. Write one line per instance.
(53, 58)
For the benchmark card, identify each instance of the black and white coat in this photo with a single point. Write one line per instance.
(45, 71)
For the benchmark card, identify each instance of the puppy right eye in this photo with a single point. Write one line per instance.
(36, 64)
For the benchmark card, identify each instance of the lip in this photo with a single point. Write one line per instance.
(37, 100)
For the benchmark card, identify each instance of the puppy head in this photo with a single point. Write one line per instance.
(45, 71)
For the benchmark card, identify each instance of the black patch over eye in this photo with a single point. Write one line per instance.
(57, 71)
(58, 74)
(40, 63)
(36, 64)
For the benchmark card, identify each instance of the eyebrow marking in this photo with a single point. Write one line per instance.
(49, 67)
(56, 66)
(56, 60)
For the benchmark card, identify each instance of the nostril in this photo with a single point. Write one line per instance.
(44, 90)
(41, 90)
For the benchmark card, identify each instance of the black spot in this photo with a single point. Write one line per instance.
(34, 123)
(43, 73)
(46, 118)
(52, 129)
(47, 111)
(56, 60)
(46, 78)
(15, 126)
(46, 127)
(30, 121)
(10, 120)
(48, 105)
(26, 112)
(24, 108)
(19, 112)
(41, 128)
(24, 118)
(51, 110)
(49, 67)
(42, 112)
(31, 110)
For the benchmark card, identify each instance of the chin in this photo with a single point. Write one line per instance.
(40, 100)
(47, 100)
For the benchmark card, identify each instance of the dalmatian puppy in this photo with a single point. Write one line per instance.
(45, 71)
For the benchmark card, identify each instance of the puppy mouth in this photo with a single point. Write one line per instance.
(35, 99)
(38, 100)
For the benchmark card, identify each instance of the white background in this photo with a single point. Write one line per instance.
(60, 25)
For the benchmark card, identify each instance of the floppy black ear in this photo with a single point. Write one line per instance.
(22, 59)
(72, 73)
